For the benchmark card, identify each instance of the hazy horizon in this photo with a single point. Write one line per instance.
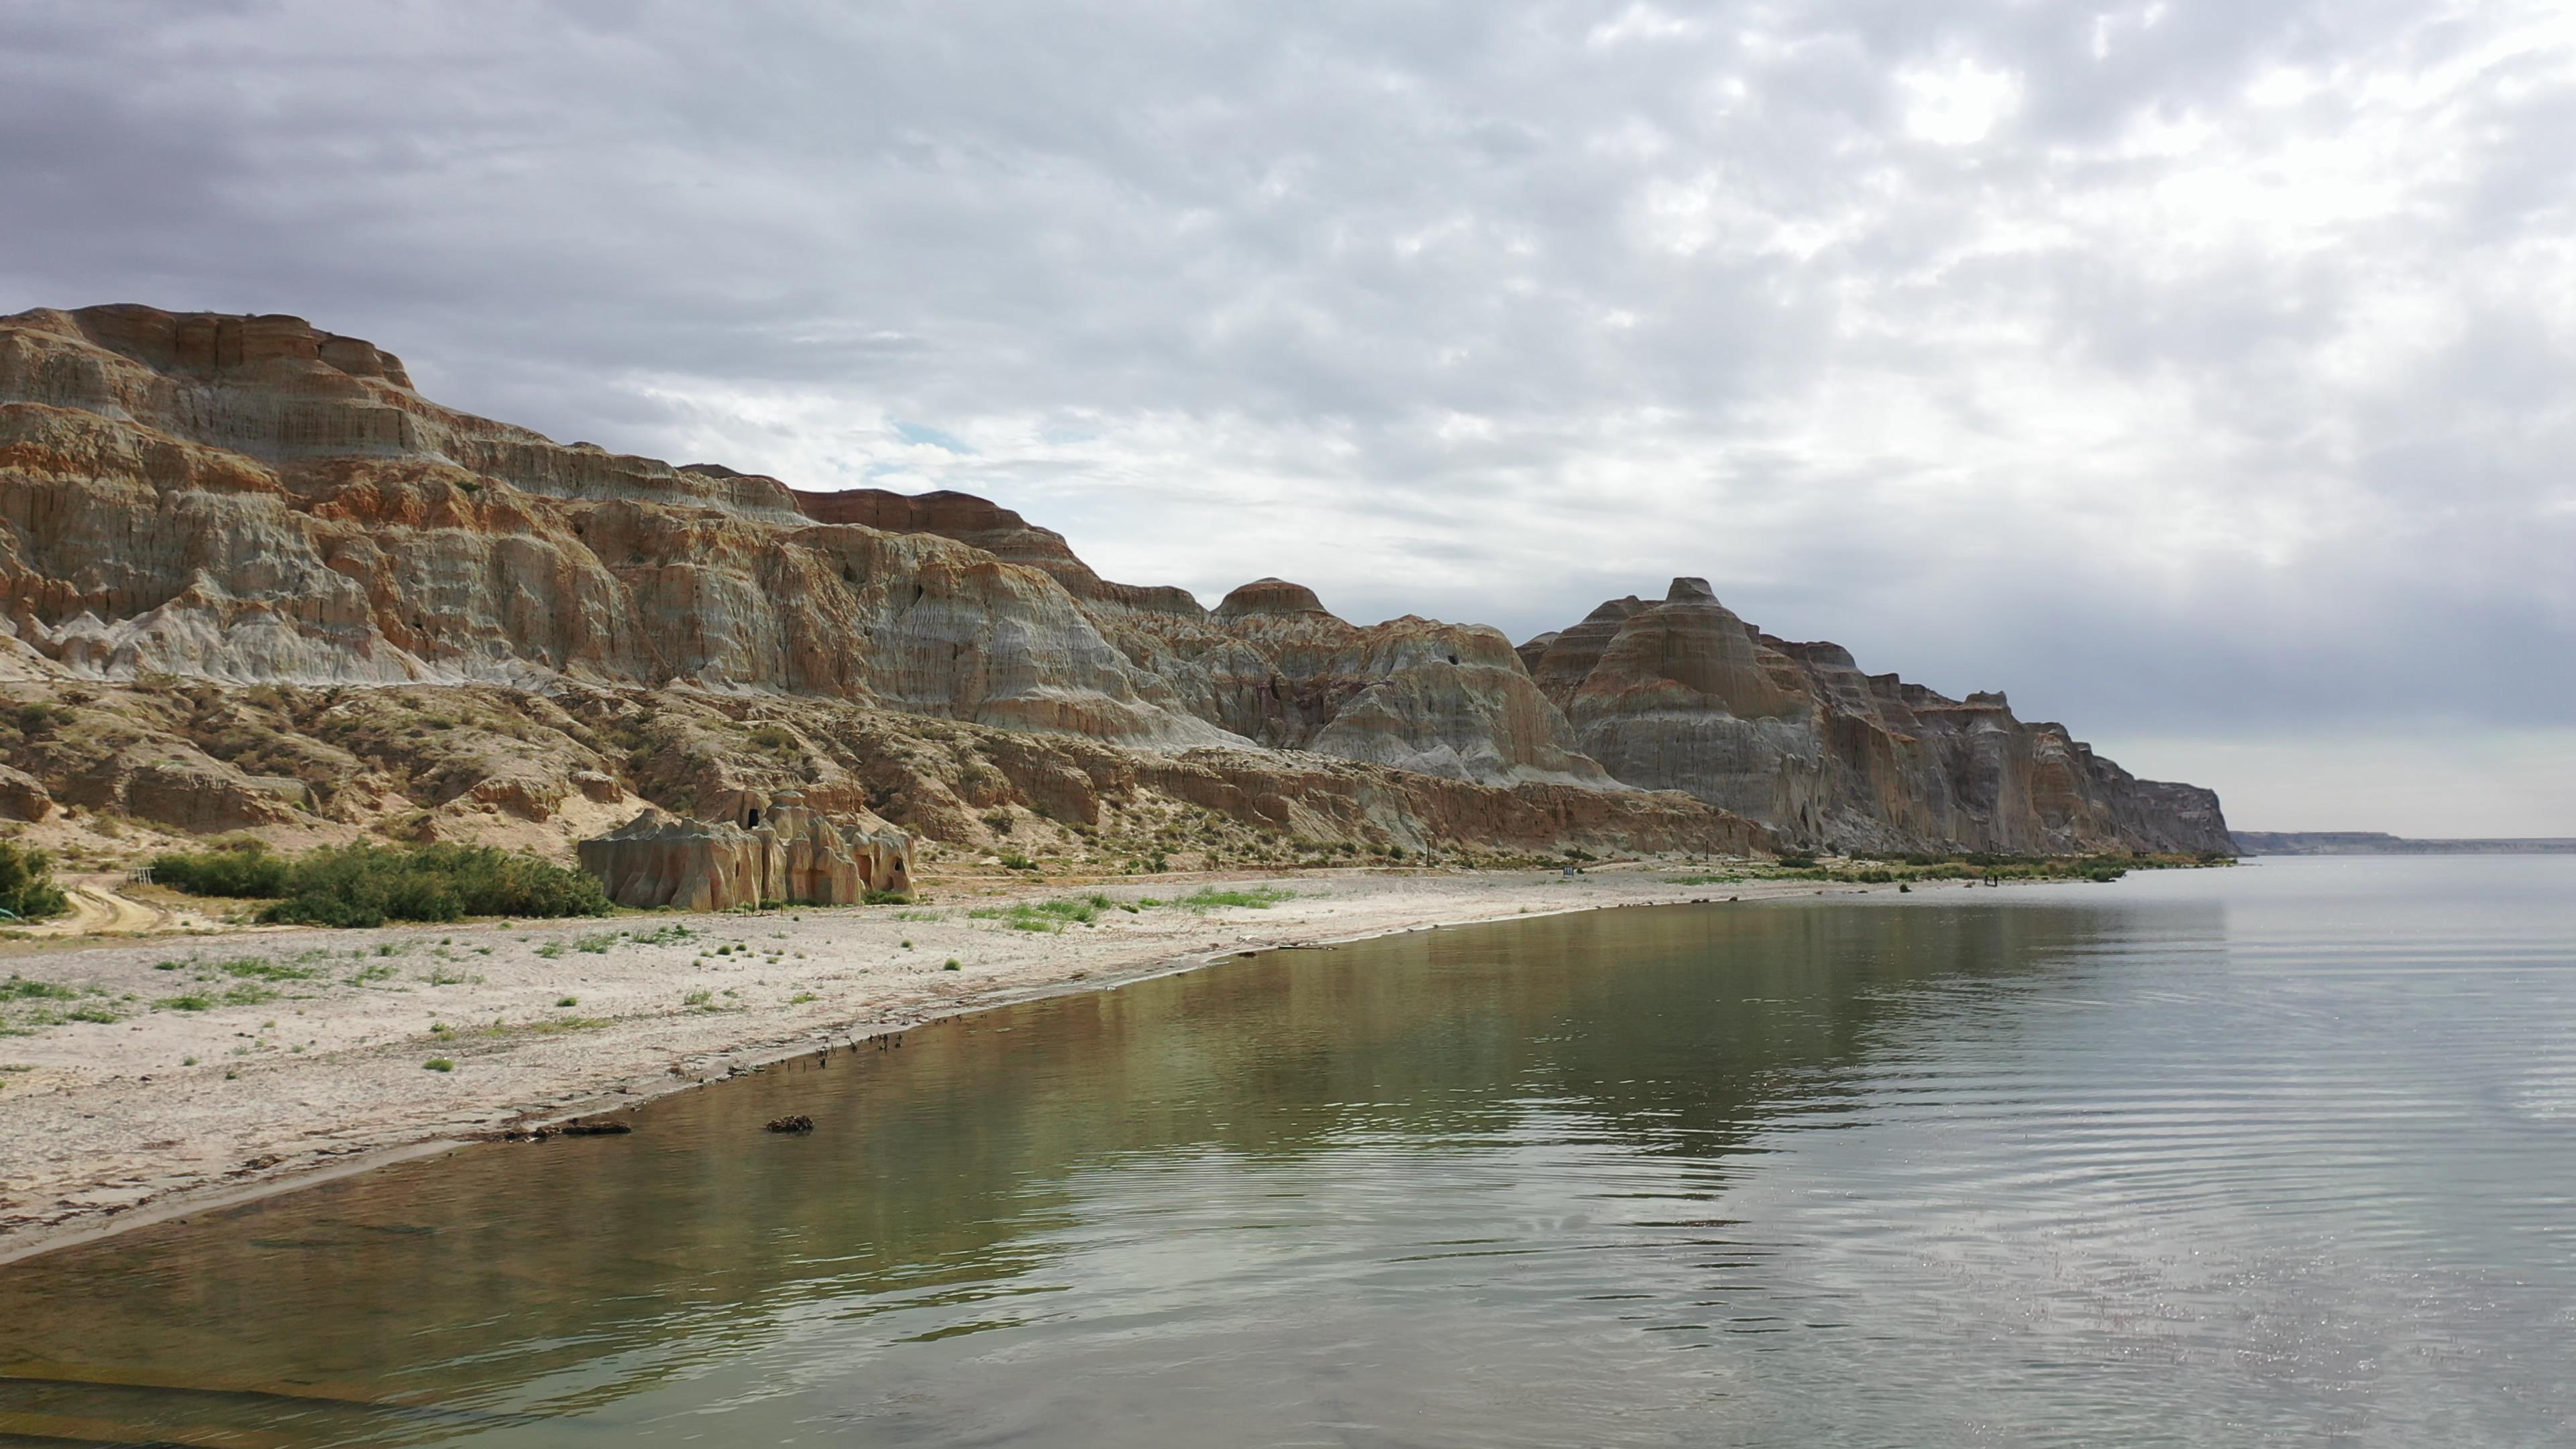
(2196, 374)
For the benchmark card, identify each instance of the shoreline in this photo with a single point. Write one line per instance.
(100, 1133)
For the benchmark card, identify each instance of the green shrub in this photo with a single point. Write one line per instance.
(439, 1064)
(27, 887)
(245, 869)
(368, 885)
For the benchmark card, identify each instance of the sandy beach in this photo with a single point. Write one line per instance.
(226, 1065)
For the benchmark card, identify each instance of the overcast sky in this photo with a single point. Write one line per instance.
(2198, 371)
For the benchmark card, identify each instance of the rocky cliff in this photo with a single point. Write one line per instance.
(1684, 695)
(191, 502)
(212, 505)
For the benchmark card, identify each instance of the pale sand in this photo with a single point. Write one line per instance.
(103, 1126)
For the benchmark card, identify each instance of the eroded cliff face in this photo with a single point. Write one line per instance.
(1684, 695)
(222, 498)
(250, 502)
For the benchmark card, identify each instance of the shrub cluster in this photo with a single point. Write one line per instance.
(243, 869)
(27, 888)
(368, 885)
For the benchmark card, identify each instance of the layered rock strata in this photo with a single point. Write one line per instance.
(1683, 694)
(234, 504)
(785, 853)
(545, 770)
(261, 513)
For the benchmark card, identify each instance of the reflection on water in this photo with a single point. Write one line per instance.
(2201, 1157)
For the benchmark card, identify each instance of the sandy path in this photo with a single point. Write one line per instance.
(243, 1062)
(102, 906)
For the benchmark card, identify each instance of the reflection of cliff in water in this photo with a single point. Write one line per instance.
(554, 1276)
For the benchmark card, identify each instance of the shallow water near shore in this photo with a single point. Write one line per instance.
(2280, 1152)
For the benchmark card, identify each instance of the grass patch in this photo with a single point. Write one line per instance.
(18, 988)
(193, 1001)
(260, 968)
(665, 936)
(1047, 916)
(1259, 898)
(554, 1026)
(439, 1064)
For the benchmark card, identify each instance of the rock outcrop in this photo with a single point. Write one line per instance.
(224, 505)
(1275, 667)
(785, 852)
(1685, 695)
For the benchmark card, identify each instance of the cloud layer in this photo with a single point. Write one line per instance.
(2198, 371)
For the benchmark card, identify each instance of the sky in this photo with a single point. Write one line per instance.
(2198, 373)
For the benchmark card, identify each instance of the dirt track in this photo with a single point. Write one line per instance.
(101, 906)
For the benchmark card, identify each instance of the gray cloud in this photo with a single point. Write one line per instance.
(2191, 369)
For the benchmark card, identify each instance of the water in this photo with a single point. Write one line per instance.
(2279, 1154)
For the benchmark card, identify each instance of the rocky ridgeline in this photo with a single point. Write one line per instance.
(244, 543)
(1684, 695)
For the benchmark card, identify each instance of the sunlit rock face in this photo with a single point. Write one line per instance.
(1684, 695)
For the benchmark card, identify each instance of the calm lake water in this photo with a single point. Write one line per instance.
(2280, 1154)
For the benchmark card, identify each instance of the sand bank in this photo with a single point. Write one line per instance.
(251, 1062)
